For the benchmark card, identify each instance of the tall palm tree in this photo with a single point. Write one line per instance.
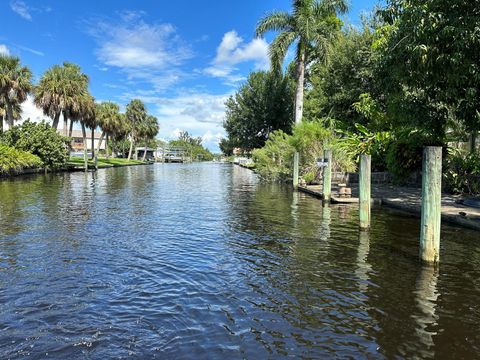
(149, 130)
(311, 26)
(15, 84)
(86, 116)
(49, 93)
(135, 115)
(108, 118)
(59, 92)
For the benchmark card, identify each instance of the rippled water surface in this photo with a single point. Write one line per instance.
(205, 261)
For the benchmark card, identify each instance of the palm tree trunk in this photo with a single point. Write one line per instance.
(93, 144)
(9, 115)
(65, 122)
(70, 131)
(100, 142)
(145, 152)
(131, 149)
(1, 124)
(85, 157)
(56, 120)
(106, 146)
(298, 111)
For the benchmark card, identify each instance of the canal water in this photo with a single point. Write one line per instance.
(205, 261)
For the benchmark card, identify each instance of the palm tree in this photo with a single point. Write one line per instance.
(149, 130)
(15, 84)
(311, 26)
(108, 118)
(49, 94)
(135, 116)
(59, 92)
(86, 116)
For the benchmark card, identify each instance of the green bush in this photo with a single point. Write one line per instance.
(405, 152)
(462, 173)
(39, 139)
(274, 160)
(12, 160)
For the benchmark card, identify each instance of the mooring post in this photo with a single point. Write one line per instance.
(327, 175)
(296, 161)
(431, 204)
(365, 191)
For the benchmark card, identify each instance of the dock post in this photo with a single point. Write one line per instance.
(296, 161)
(365, 191)
(431, 204)
(327, 176)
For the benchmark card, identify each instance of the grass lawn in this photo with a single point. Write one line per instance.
(103, 162)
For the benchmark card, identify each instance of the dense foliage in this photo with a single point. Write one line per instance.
(410, 77)
(309, 139)
(262, 105)
(12, 160)
(39, 139)
(193, 146)
(462, 173)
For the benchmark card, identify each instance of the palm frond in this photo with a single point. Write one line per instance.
(275, 21)
(279, 47)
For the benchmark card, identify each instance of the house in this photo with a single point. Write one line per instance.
(77, 140)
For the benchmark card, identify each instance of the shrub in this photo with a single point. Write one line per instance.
(462, 173)
(274, 160)
(404, 153)
(39, 139)
(12, 160)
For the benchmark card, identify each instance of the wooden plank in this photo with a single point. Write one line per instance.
(365, 191)
(431, 204)
(327, 176)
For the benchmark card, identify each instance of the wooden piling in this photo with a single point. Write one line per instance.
(365, 191)
(431, 204)
(327, 176)
(296, 161)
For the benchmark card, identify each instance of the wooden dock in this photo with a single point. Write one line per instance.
(407, 200)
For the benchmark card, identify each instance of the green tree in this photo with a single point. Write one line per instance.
(53, 92)
(348, 77)
(15, 84)
(136, 115)
(226, 146)
(109, 120)
(148, 132)
(431, 61)
(262, 105)
(312, 26)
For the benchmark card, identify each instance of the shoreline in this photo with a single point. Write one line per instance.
(70, 168)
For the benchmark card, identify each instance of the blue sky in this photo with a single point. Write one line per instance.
(182, 58)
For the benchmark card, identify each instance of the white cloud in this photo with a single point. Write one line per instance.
(147, 53)
(30, 111)
(21, 9)
(199, 113)
(233, 51)
(30, 50)
(4, 50)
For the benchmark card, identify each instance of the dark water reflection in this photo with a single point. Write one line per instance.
(203, 261)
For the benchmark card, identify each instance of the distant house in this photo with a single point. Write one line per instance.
(77, 140)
